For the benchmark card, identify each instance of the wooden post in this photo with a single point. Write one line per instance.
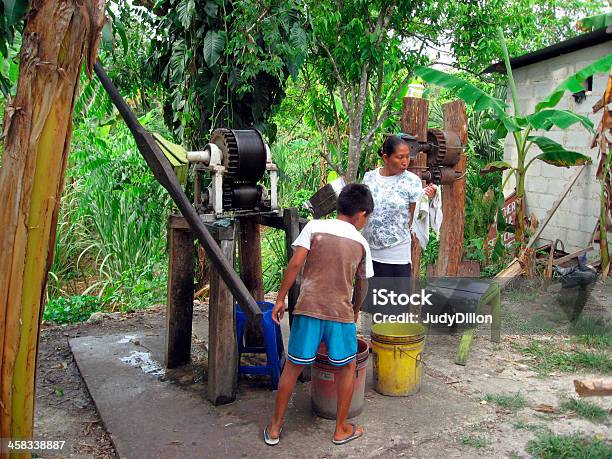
(291, 220)
(179, 308)
(250, 272)
(453, 197)
(415, 113)
(419, 163)
(222, 346)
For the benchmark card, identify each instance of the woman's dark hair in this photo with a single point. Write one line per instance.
(390, 144)
(355, 198)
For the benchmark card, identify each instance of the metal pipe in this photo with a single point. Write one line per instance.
(165, 175)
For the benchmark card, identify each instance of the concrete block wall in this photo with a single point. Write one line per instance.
(577, 215)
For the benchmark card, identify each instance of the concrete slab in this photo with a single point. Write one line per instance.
(149, 413)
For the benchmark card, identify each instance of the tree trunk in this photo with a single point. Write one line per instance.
(58, 35)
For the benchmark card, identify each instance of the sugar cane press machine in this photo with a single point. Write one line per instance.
(235, 193)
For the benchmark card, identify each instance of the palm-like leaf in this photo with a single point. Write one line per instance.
(14, 10)
(574, 83)
(214, 42)
(554, 153)
(563, 119)
(471, 94)
(598, 21)
(495, 166)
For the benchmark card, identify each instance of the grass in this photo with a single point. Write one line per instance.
(522, 425)
(510, 402)
(548, 358)
(475, 441)
(517, 324)
(586, 410)
(592, 332)
(549, 446)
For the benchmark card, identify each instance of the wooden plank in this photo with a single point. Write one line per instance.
(179, 308)
(469, 269)
(292, 231)
(415, 113)
(272, 221)
(416, 168)
(250, 272)
(222, 346)
(453, 197)
(593, 387)
(555, 206)
(568, 257)
(250, 257)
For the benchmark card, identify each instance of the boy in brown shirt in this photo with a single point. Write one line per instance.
(334, 254)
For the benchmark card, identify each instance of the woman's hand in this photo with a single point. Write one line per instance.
(430, 191)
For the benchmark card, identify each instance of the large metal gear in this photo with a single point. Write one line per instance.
(244, 158)
(445, 148)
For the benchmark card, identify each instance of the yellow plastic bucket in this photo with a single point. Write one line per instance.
(396, 358)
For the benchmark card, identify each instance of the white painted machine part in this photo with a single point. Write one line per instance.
(211, 155)
(217, 190)
(273, 187)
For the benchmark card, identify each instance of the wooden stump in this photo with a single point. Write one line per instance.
(222, 346)
(250, 272)
(179, 309)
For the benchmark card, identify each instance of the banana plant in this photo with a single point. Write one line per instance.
(522, 126)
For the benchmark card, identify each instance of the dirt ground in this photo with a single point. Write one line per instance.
(65, 411)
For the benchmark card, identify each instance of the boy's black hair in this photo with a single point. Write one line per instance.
(355, 198)
(390, 144)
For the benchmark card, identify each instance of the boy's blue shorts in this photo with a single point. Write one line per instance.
(308, 332)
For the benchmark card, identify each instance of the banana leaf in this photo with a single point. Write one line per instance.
(563, 119)
(574, 83)
(599, 21)
(555, 154)
(471, 94)
(495, 166)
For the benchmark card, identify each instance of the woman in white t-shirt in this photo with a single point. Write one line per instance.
(395, 191)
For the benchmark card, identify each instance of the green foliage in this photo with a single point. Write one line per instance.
(72, 309)
(529, 26)
(111, 235)
(224, 63)
(522, 425)
(137, 288)
(471, 94)
(510, 402)
(274, 255)
(550, 446)
(586, 410)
